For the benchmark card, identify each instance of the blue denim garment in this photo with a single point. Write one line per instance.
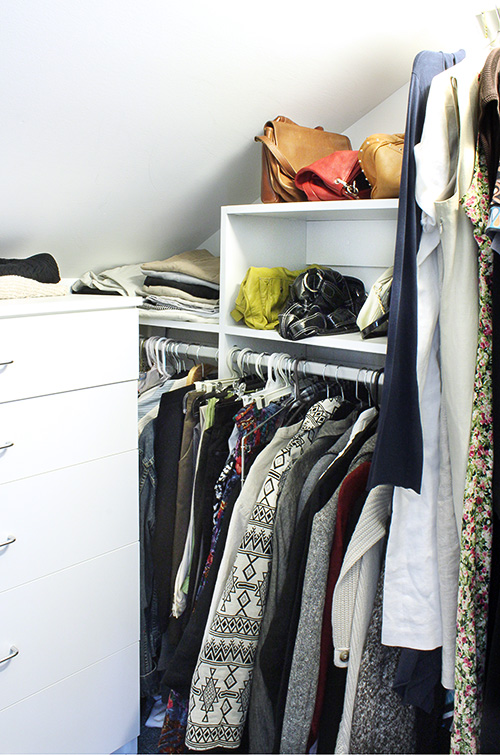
(150, 634)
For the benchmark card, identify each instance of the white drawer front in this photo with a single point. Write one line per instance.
(60, 352)
(65, 622)
(93, 711)
(61, 518)
(57, 431)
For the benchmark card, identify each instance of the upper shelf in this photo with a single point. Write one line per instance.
(345, 341)
(361, 209)
(162, 322)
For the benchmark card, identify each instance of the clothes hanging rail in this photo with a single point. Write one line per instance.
(157, 347)
(241, 360)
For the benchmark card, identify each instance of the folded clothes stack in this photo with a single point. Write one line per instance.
(37, 275)
(182, 287)
(125, 280)
(185, 286)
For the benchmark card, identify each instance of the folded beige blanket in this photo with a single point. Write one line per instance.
(18, 287)
(199, 263)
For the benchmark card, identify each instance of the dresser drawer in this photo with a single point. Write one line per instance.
(52, 432)
(93, 711)
(61, 352)
(69, 620)
(61, 518)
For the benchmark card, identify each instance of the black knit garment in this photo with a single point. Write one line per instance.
(40, 267)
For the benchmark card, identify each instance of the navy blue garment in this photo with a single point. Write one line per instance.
(150, 633)
(398, 456)
(167, 445)
(417, 676)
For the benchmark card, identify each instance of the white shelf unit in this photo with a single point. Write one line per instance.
(354, 237)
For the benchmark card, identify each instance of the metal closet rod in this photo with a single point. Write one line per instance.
(241, 360)
(247, 358)
(179, 349)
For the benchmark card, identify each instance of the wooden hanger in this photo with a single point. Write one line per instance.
(199, 372)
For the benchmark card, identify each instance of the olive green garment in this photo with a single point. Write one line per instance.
(262, 295)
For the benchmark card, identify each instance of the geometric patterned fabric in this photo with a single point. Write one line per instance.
(220, 689)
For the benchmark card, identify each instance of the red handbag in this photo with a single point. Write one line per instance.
(336, 176)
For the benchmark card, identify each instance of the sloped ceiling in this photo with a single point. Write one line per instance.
(126, 125)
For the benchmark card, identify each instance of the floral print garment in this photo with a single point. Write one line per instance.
(476, 539)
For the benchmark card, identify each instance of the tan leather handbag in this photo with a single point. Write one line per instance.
(288, 147)
(381, 157)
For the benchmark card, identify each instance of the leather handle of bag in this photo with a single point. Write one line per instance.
(280, 157)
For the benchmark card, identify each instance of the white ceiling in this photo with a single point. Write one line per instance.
(125, 125)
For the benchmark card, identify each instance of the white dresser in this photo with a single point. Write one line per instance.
(69, 555)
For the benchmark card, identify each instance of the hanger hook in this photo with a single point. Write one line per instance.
(169, 352)
(179, 357)
(358, 381)
(357, 384)
(341, 387)
(239, 359)
(150, 350)
(366, 383)
(326, 381)
(258, 364)
(280, 366)
(296, 383)
(158, 348)
(229, 361)
(171, 355)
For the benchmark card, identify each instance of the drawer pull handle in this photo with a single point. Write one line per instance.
(13, 652)
(4, 364)
(9, 541)
(9, 444)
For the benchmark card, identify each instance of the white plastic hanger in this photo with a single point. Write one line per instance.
(217, 384)
(278, 383)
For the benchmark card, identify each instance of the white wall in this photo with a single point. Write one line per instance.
(388, 117)
(125, 125)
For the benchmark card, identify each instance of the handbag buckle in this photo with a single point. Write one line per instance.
(352, 190)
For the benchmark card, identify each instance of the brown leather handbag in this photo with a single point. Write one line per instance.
(381, 158)
(288, 147)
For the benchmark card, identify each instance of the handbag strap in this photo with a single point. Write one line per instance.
(375, 326)
(314, 283)
(298, 321)
(280, 157)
